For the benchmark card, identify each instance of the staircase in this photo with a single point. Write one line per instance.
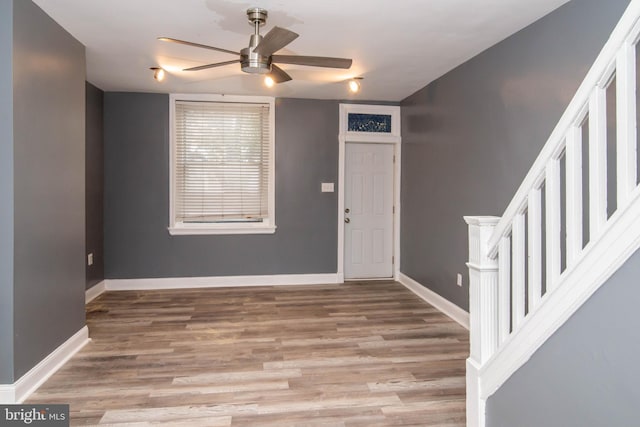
(573, 222)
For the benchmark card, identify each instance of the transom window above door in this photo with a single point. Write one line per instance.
(222, 165)
(362, 122)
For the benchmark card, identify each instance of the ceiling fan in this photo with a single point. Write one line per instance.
(259, 58)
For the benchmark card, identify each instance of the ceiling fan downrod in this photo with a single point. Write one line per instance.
(250, 61)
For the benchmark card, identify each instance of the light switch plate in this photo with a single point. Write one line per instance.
(327, 187)
(90, 259)
(459, 279)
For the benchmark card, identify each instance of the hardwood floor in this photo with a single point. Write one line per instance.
(359, 354)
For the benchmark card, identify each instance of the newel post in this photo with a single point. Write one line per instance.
(483, 311)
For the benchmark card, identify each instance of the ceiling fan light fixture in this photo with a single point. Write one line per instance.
(355, 84)
(268, 81)
(158, 73)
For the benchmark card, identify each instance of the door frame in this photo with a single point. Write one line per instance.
(394, 138)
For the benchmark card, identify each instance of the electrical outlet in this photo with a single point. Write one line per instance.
(90, 259)
(459, 279)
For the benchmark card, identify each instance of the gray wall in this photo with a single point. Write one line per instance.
(49, 186)
(470, 137)
(94, 177)
(587, 373)
(6, 192)
(137, 243)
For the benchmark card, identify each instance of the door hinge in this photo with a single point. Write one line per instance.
(394, 158)
(393, 260)
(393, 209)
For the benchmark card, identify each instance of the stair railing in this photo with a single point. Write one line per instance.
(564, 233)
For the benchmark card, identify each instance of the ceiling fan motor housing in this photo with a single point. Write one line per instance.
(252, 62)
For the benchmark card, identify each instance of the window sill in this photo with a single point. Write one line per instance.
(186, 230)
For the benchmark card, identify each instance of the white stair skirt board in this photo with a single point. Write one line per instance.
(442, 304)
(29, 382)
(94, 292)
(221, 281)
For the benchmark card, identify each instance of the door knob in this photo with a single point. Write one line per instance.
(347, 220)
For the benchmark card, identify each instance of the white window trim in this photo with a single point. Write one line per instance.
(268, 226)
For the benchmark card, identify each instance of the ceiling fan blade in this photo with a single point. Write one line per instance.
(275, 40)
(203, 46)
(278, 74)
(217, 64)
(314, 61)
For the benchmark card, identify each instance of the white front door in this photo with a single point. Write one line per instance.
(368, 217)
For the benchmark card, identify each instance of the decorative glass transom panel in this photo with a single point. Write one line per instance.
(376, 123)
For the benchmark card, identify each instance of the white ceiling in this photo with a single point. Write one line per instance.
(397, 46)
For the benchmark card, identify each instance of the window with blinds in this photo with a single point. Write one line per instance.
(221, 170)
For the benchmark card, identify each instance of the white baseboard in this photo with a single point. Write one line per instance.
(442, 304)
(94, 292)
(220, 281)
(29, 382)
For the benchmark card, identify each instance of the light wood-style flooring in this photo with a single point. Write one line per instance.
(359, 354)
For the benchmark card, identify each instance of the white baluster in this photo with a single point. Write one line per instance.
(597, 162)
(504, 289)
(626, 122)
(534, 236)
(518, 270)
(574, 193)
(552, 207)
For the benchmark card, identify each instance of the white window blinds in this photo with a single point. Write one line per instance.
(221, 162)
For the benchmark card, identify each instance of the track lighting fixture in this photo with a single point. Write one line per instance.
(158, 73)
(355, 84)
